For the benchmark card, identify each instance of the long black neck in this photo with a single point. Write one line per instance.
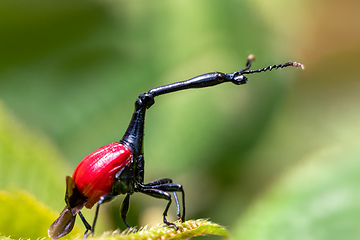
(134, 134)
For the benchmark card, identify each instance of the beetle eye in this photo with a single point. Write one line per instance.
(239, 79)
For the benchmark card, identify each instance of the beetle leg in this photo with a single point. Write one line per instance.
(174, 187)
(160, 194)
(103, 199)
(87, 225)
(125, 208)
(178, 213)
(159, 189)
(158, 182)
(164, 181)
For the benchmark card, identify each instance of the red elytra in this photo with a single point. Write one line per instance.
(95, 174)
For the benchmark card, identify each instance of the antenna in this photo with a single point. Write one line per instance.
(269, 68)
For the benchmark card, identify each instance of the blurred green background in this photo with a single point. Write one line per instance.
(277, 158)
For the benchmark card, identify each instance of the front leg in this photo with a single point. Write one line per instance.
(125, 208)
(159, 189)
(160, 194)
(163, 182)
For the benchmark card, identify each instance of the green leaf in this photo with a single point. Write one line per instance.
(30, 175)
(319, 199)
(23, 216)
(5, 238)
(188, 229)
(29, 161)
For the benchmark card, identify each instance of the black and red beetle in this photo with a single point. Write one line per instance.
(118, 168)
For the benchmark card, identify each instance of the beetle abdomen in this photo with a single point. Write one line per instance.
(95, 174)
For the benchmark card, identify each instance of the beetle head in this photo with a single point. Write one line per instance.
(75, 201)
